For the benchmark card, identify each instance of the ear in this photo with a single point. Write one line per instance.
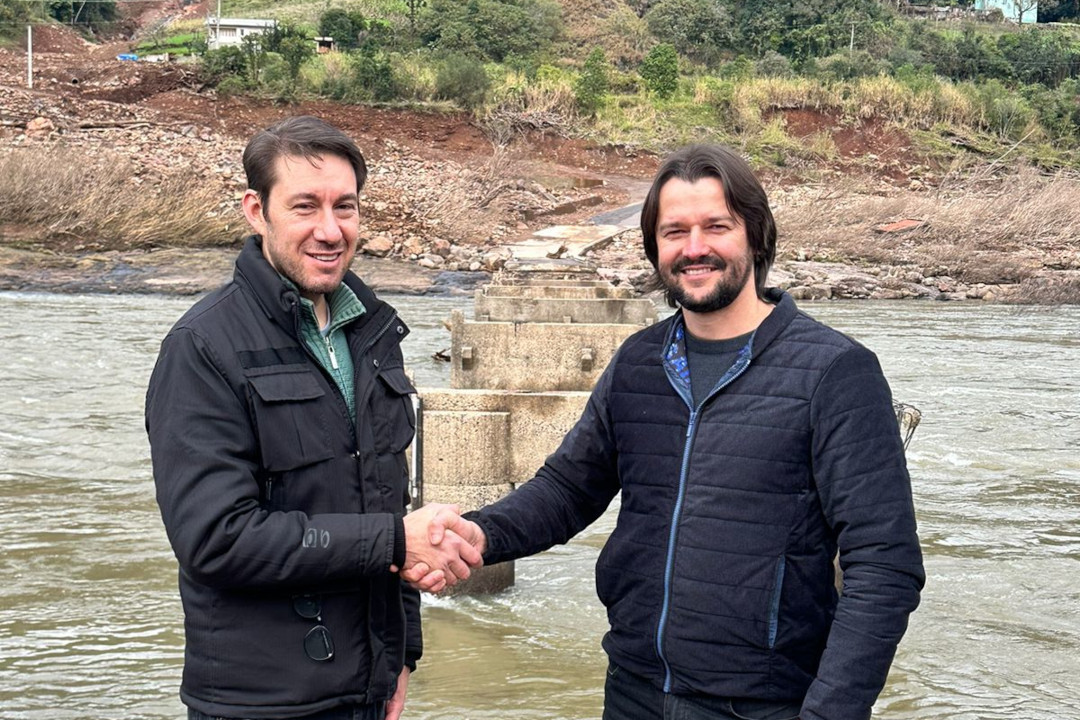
(253, 212)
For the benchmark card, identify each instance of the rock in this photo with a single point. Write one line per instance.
(811, 292)
(412, 246)
(441, 248)
(40, 128)
(379, 246)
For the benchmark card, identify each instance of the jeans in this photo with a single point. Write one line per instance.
(375, 711)
(630, 697)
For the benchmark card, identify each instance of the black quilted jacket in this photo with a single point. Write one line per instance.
(718, 577)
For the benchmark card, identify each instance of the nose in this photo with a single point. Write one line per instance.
(327, 229)
(695, 244)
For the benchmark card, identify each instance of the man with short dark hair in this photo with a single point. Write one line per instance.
(750, 443)
(278, 414)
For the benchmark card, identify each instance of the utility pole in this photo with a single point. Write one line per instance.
(851, 45)
(30, 56)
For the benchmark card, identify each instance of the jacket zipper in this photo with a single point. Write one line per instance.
(330, 350)
(378, 336)
(669, 566)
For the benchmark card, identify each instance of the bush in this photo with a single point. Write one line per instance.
(592, 85)
(773, 64)
(463, 80)
(660, 70)
(226, 62)
(232, 85)
(491, 29)
(344, 26)
(701, 28)
(847, 66)
(1006, 113)
(373, 78)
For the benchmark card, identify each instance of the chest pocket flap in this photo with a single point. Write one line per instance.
(395, 419)
(292, 420)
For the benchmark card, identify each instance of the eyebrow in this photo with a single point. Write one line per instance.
(708, 221)
(292, 199)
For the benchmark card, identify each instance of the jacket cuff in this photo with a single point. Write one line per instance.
(399, 542)
(411, 656)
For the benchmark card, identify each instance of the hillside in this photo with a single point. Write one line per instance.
(446, 192)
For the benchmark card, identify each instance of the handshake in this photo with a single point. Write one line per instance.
(440, 547)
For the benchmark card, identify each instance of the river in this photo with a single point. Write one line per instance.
(91, 626)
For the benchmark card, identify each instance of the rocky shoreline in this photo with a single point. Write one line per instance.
(194, 271)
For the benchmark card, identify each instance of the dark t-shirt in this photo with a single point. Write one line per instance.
(709, 360)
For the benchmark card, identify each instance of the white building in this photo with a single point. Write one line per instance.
(1022, 11)
(232, 31)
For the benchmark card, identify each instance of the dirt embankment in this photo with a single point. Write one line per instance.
(443, 199)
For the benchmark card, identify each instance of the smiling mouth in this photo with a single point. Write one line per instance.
(325, 257)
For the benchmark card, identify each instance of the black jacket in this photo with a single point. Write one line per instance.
(268, 492)
(718, 577)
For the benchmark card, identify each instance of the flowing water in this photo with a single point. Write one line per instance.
(90, 622)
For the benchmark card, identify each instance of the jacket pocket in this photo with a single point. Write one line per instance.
(392, 411)
(290, 419)
(774, 602)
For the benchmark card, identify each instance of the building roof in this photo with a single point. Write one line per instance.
(242, 22)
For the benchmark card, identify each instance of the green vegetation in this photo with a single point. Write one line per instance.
(662, 72)
(705, 68)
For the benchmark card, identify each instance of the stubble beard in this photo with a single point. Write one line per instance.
(293, 268)
(733, 279)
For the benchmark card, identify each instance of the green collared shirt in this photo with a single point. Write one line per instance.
(329, 345)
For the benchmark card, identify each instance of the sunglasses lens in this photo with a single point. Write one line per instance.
(318, 645)
(307, 606)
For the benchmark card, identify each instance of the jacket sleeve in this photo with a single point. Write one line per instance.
(862, 479)
(414, 639)
(571, 490)
(205, 459)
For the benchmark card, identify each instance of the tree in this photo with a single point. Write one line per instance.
(336, 23)
(87, 14)
(593, 84)
(13, 13)
(490, 29)
(1024, 6)
(702, 29)
(660, 70)
(294, 51)
(254, 49)
(414, 7)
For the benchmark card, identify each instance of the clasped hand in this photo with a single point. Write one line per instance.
(441, 547)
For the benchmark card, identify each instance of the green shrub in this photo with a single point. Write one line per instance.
(847, 66)
(592, 85)
(702, 29)
(232, 85)
(373, 77)
(342, 25)
(462, 79)
(660, 70)
(773, 64)
(491, 29)
(217, 65)
(1006, 113)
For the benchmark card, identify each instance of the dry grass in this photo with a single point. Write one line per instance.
(1006, 230)
(467, 207)
(98, 199)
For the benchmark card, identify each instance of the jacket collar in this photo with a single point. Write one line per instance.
(674, 349)
(277, 298)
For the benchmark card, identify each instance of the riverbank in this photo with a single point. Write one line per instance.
(125, 177)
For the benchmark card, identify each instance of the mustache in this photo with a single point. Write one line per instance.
(709, 261)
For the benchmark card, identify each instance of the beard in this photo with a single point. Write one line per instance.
(733, 278)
